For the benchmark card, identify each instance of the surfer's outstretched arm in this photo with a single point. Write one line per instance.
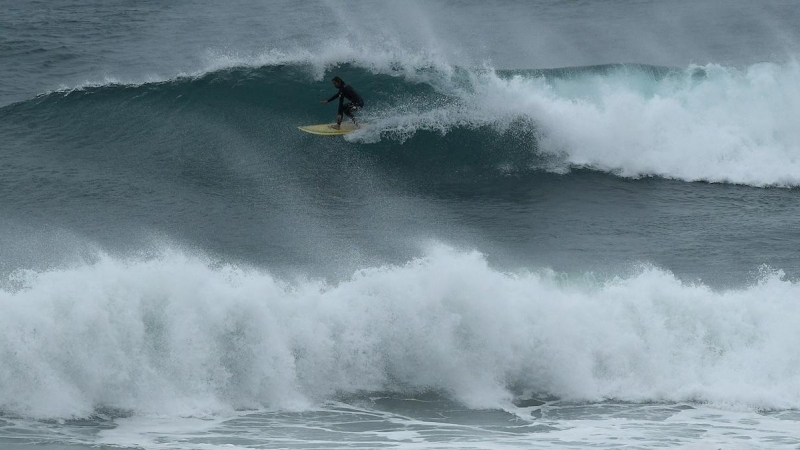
(338, 94)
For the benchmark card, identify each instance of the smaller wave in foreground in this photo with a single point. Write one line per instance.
(175, 335)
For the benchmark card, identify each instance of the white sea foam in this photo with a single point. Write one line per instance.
(175, 335)
(729, 125)
(733, 125)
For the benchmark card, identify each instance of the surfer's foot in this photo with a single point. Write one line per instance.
(335, 126)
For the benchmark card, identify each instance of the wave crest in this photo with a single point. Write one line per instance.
(710, 123)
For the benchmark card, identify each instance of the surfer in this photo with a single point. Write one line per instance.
(345, 92)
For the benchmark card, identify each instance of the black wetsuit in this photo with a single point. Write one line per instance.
(356, 102)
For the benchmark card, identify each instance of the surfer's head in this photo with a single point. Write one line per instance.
(338, 82)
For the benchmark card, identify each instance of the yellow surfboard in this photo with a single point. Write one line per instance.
(326, 130)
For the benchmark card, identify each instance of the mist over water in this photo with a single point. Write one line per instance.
(102, 42)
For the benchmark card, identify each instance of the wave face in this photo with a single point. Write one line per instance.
(709, 123)
(175, 335)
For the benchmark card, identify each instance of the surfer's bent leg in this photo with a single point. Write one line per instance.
(349, 109)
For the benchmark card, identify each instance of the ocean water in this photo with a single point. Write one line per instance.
(566, 224)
